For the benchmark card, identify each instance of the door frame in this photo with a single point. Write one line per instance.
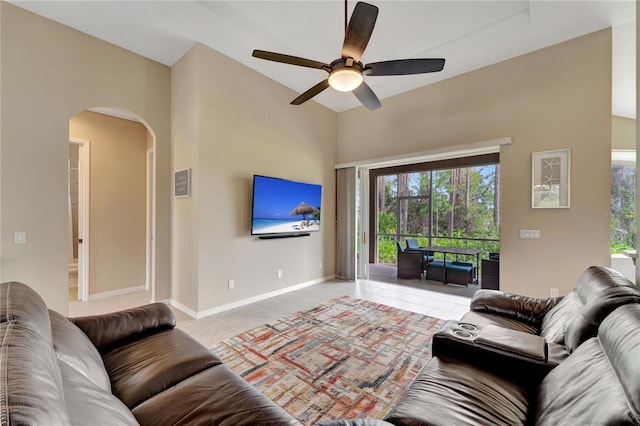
(362, 267)
(150, 222)
(84, 174)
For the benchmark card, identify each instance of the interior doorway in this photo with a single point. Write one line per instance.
(119, 257)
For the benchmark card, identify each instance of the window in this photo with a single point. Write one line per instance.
(438, 204)
(623, 200)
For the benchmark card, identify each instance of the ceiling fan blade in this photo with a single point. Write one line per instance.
(405, 67)
(311, 92)
(288, 59)
(366, 96)
(359, 30)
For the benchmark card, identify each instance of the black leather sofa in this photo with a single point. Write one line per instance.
(126, 368)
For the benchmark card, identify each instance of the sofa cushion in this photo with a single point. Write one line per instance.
(523, 308)
(87, 402)
(555, 322)
(114, 329)
(598, 384)
(483, 318)
(73, 347)
(31, 391)
(590, 284)
(216, 396)
(585, 323)
(450, 392)
(21, 303)
(595, 279)
(620, 340)
(152, 364)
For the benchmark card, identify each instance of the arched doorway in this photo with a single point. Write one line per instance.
(118, 239)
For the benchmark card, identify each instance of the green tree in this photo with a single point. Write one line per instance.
(464, 202)
(623, 208)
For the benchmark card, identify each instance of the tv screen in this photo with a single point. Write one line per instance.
(283, 206)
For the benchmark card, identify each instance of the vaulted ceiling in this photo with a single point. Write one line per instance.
(469, 34)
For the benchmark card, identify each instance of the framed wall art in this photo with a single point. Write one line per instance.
(550, 179)
(182, 183)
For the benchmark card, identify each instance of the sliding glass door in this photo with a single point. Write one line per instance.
(450, 203)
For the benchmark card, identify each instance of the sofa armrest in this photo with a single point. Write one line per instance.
(523, 308)
(105, 331)
(523, 357)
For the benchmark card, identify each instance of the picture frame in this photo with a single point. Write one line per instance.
(551, 179)
(182, 183)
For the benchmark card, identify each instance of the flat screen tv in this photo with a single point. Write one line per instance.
(284, 207)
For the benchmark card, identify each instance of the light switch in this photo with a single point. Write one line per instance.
(20, 237)
(531, 234)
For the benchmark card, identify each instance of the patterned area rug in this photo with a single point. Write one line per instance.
(346, 358)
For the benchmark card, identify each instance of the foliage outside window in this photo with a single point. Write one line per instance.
(453, 207)
(623, 206)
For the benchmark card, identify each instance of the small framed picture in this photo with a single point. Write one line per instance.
(182, 183)
(550, 179)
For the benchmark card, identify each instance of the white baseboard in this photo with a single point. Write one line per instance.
(239, 303)
(176, 304)
(116, 292)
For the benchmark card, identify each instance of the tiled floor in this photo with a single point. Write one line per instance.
(410, 296)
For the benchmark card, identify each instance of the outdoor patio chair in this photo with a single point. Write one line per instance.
(410, 263)
(412, 244)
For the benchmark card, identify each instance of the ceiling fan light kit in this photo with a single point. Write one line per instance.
(345, 79)
(346, 73)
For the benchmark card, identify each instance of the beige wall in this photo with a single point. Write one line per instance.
(230, 123)
(623, 133)
(117, 217)
(50, 73)
(185, 123)
(558, 97)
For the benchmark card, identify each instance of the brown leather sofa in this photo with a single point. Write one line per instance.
(523, 361)
(126, 368)
(597, 384)
(598, 291)
(515, 360)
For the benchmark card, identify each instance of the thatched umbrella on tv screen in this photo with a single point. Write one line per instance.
(304, 209)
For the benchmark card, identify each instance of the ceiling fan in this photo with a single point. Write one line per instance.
(346, 73)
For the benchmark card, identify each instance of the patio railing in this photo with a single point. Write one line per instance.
(387, 251)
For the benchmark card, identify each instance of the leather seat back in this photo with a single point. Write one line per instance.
(599, 383)
(21, 303)
(30, 378)
(585, 324)
(591, 282)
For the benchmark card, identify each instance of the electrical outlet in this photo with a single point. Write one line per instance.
(553, 292)
(232, 284)
(279, 273)
(530, 234)
(320, 265)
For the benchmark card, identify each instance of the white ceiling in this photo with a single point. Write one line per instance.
(469, 34)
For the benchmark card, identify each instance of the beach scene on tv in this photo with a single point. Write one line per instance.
(282, 206)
